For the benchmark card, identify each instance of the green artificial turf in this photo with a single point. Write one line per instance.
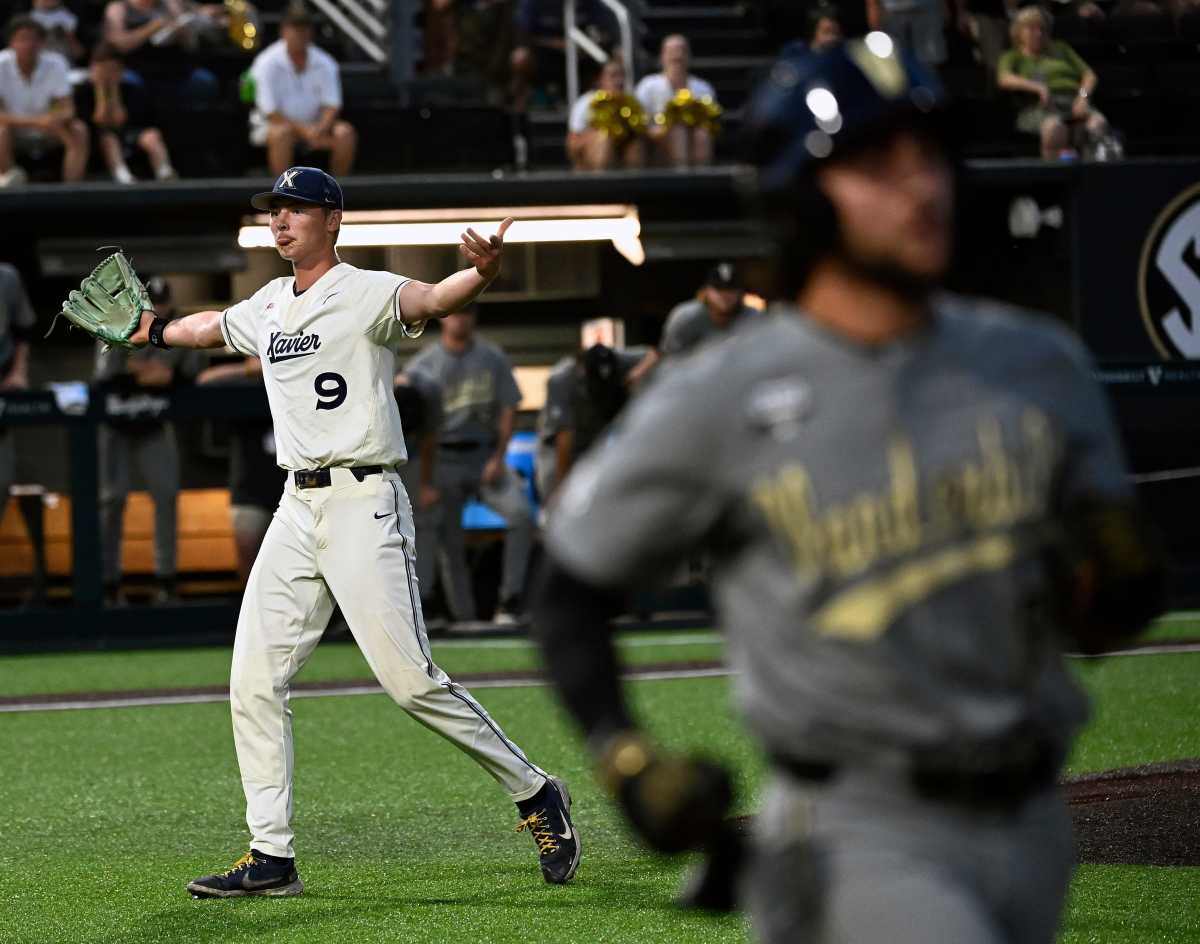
(104, 814)
(108, 813)
(332, 662)
(1144, 710)
(1122, 904)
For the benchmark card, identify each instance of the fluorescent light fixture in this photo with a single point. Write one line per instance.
(618, 224)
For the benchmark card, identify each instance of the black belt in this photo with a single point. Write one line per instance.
(464, 447)
(321, 478)
(1001, 786)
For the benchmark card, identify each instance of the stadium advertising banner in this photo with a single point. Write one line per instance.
(1137, 271)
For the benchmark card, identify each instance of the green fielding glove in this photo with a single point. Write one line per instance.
(674, 803)
(109, 303)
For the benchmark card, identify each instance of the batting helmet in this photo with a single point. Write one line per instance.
(815, 106)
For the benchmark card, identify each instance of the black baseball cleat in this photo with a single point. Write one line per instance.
(549, 822)
(255, 873)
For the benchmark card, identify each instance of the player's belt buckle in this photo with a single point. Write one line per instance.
(312, 478)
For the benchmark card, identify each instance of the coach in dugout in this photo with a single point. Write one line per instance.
(135, 434)
(718, 307)
(297, 100)
(479, 407)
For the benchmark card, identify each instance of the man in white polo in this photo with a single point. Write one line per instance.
(37, 114)
(297, 99)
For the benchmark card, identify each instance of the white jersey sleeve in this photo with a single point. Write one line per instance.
(382, 298)
(581, 113)
(240, 323)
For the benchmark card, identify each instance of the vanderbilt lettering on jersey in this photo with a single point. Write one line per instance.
(330, 357)
(954, 524)
(283, 347)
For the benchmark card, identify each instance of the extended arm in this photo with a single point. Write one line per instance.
(420, 301)
(201, 330)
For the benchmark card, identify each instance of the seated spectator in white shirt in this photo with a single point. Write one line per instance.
(590, 148)
(37, 114)
(677, 146)
(60, 25)
(298, 95)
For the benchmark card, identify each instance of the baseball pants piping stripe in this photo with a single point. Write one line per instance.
(470, 702)
(418, 613)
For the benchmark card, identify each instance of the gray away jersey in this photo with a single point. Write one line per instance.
(878, 520)
(476, 385)
(689, 325)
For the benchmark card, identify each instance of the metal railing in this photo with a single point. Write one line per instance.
(577, 39)
(363, 21)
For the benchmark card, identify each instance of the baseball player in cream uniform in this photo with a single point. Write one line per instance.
(344, 527)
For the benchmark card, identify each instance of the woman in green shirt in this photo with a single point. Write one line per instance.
(1053, 71)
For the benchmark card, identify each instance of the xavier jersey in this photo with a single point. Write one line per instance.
(328, 362)
(879, 519)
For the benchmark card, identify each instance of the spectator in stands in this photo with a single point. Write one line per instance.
(1060, 80)
(60, 25)
(824, 27)
(718, 307)
(155, 37)
(676, 145)
(37, 115)
(255, 480)
(120, 116)
(591, 148)
(419, 400)
(479, 407)
(584, 394)
(135, 434)
(298, 97)
(985, 23)
(919, 25)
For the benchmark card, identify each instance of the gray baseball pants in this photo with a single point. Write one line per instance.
(865, 858)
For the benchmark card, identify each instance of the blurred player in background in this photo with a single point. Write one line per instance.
(136, 436)
(255, 481)
(718, 307)
(419, 399)
(913, 502)
(584, 394)
(16, 327)
(479, 407)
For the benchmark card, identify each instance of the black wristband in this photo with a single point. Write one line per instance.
(157, 326)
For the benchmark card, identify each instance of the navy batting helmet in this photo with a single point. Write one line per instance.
(816, 106)
(819, 106)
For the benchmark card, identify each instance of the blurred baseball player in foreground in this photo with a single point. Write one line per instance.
(343, 530)
(913, 503)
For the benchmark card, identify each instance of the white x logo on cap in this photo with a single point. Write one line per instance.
(289, 178)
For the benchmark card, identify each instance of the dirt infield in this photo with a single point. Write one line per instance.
(1138, 815)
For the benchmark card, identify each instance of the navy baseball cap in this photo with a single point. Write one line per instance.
(302, 185)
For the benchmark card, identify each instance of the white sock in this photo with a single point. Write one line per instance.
(165, 172)
(122, 175)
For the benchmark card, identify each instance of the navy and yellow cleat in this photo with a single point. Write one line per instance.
(253, 874)
(556, 837)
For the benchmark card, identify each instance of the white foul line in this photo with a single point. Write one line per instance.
(204, 698)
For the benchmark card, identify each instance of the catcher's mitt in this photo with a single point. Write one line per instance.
(109, 303)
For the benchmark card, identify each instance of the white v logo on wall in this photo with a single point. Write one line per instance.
(1169, 278)
(289, 178)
